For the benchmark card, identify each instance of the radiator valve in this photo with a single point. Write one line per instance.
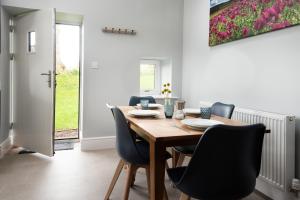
(295, 186)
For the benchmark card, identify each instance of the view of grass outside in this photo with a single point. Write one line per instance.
(147, 77)
(67, 100)
(67, 88)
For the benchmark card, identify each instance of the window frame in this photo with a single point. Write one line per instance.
(157, 77)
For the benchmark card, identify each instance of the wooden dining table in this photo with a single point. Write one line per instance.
(161, 133)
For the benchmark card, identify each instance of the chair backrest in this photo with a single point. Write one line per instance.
(134, 100)
(110, 107)
(125, 141)
(225, 163)
(222, 110)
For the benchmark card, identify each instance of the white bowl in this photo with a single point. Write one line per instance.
(144, 113)
(151, 105)
(193, 111)
(199, 123)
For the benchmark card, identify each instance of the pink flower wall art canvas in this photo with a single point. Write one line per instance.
(236, 19)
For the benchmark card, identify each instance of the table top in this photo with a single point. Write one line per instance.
(160, 128)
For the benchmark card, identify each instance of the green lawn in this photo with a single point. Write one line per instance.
(147, 77)
(147, 82)
(67, 96)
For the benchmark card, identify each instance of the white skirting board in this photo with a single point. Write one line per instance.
(98, 143)
(5, 146)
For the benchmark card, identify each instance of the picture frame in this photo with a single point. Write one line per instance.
(232, 20)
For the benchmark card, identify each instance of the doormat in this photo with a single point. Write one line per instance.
(63, 145)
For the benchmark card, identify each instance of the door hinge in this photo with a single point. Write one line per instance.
(11, 28)
(11, 126)
(11, 56)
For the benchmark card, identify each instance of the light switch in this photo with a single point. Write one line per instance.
(94, 65)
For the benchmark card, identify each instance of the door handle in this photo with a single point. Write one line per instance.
(49, 74)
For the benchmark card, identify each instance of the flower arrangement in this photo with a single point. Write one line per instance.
(168, 106)
(166, 90)
(243, 18)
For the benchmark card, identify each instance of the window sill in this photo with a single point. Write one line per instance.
(160, 96)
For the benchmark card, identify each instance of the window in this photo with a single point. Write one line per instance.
(31, 41)
(150, 77)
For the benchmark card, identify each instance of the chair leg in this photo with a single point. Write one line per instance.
(148, 179)
(180, 160)
(165, 194)
(114, 180)
(133, 176)
(175, 156)
(167, 165)
(125, 167)
(128, 181)
(184, 197)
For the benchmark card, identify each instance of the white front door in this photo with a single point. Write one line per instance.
(33, 81)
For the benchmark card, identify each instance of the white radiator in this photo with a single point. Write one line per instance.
(278, 156)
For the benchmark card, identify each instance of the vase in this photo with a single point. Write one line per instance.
(169, 108)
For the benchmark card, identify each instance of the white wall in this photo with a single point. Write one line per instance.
(261, 72)
(166, 71)
(159, 34)
(4, 77)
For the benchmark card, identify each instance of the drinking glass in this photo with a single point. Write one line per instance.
(145, 104)
(205, 112)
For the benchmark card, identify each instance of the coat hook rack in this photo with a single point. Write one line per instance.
(119, 31)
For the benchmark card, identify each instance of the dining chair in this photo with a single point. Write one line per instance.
(180, 152)
(134, 154)
(109, 106)
(134, 100)
(225, 164)
(222, 109)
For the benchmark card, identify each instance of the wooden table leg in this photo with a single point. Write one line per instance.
(157, 170)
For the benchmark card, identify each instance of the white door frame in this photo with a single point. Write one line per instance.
(80, 92)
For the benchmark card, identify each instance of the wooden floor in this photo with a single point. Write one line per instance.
(70, 175)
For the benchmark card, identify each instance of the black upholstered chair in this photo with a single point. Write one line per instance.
(110, 107)
(225, 164)
(218, 109)
(134, 154)
(222, 110)
(134, 100)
